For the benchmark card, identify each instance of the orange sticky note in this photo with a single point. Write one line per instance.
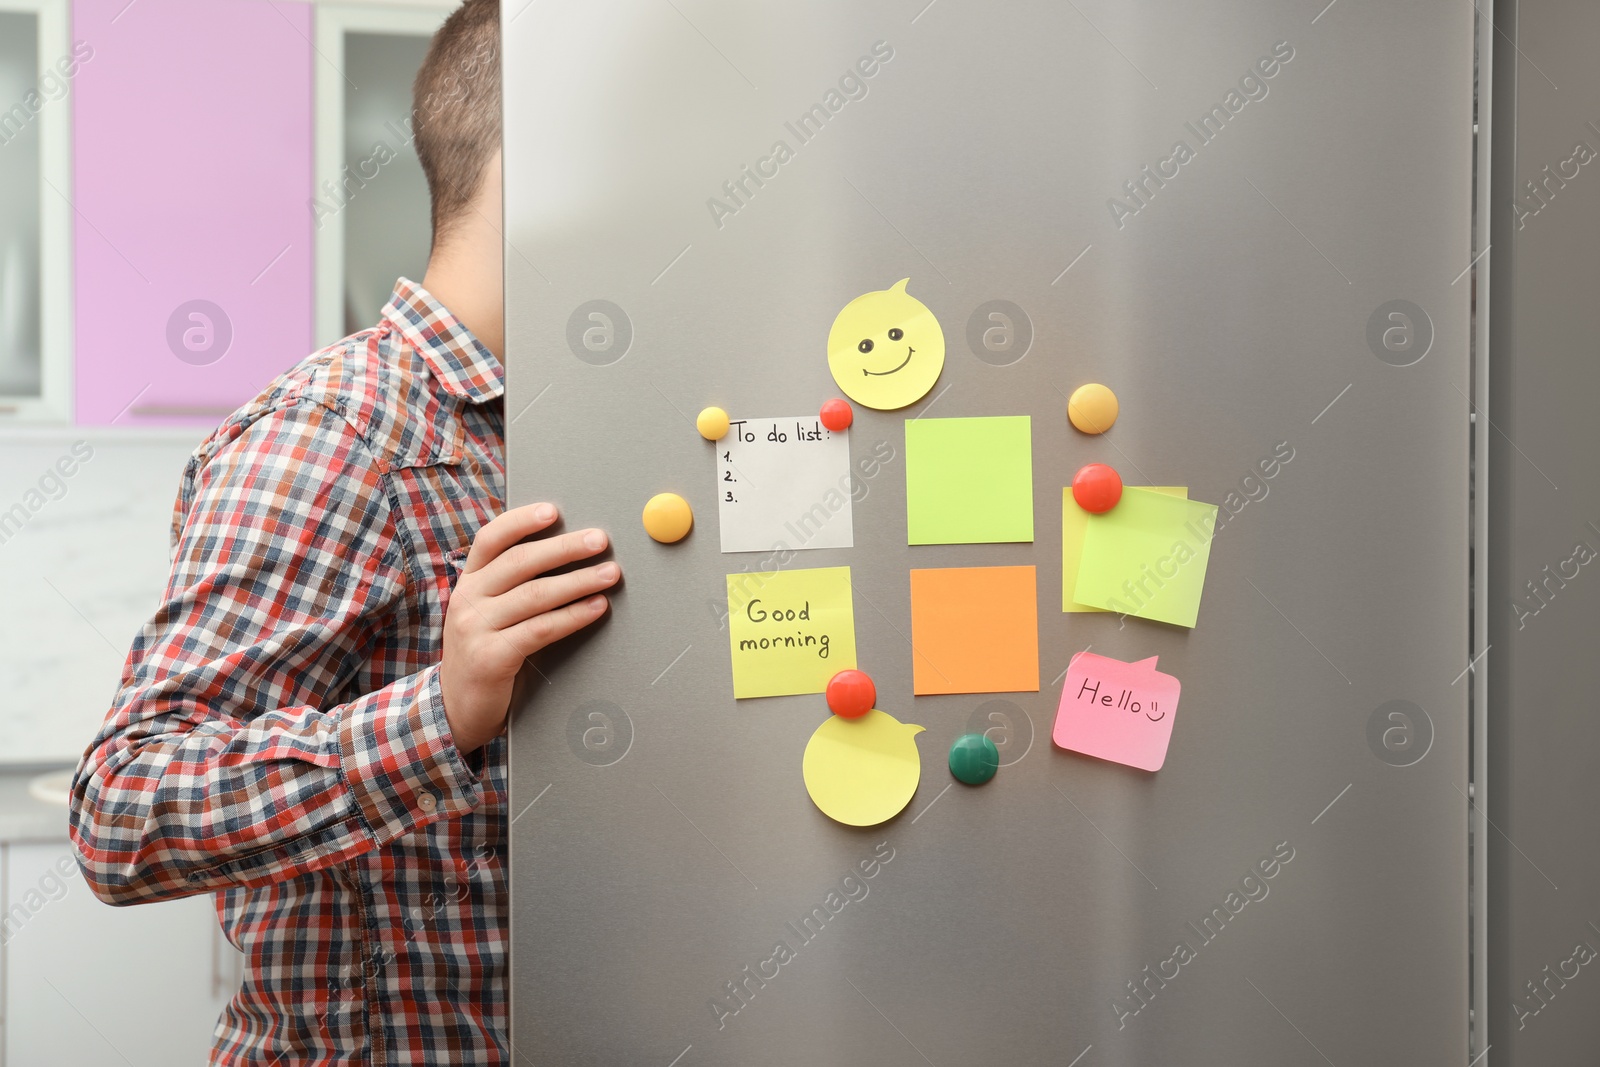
(975, 630)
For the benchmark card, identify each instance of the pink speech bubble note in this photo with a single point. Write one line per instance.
(1117, 711)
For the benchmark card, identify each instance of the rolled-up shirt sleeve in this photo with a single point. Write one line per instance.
(228, 756)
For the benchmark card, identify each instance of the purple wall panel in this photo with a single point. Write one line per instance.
(192, 169)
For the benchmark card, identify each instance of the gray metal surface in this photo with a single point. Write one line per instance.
(1230, 313)
(1482, 277)
(1544, 871)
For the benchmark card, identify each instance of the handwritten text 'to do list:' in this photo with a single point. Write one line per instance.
(782, 484)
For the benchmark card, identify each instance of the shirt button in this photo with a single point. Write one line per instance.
(427, 802)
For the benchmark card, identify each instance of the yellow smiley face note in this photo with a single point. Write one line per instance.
(886, 349)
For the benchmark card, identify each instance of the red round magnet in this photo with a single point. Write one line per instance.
(837, 416)
(851, 694)
(1096, 488)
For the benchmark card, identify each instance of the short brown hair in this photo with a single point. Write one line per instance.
(455, 114)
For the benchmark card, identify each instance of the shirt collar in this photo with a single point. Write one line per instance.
(456, 359)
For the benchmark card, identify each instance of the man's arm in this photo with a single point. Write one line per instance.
(221, 763)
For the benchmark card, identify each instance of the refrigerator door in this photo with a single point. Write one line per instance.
(1251, 221)
(1543, 602)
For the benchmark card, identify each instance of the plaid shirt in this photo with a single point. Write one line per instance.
(279, 738)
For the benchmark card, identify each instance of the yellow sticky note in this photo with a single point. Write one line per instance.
(790, 631)
(1074, 524)
(862, 772)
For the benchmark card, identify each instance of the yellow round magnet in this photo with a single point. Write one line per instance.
(712, 424)
(1092, 408)
(667, 517)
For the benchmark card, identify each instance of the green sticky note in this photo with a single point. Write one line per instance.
(969, 481)
(1074, 524)
(1147, 557)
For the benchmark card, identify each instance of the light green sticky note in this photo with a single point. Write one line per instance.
(1147, 557)
(969, 481)
(1074, 524)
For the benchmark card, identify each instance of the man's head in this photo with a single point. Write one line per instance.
(456, 111)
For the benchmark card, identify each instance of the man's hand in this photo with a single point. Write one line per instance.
(502, 611)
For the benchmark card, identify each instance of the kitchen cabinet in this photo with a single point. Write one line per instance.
(371, 207)
(83, 983)
(192, 182)
(38, 67)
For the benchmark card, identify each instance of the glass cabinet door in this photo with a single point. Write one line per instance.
(386, 225)
(39, 69)
(372, 198)
(21, 99)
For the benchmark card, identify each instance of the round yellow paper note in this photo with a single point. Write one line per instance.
(863, 771)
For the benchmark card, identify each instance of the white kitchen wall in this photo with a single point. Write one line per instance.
(84, 520)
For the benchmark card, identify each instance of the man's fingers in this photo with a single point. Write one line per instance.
(542, 630)
(530, 559)
(546, 594)
(505, 530)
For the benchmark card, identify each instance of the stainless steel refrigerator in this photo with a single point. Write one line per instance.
(1254, 222)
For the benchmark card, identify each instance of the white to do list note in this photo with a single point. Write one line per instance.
(784, 484)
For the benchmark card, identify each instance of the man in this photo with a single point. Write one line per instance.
(311, 725)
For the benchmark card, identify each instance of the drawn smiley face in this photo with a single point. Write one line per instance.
(886, 349)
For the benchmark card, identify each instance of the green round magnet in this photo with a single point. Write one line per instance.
(974, 759)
